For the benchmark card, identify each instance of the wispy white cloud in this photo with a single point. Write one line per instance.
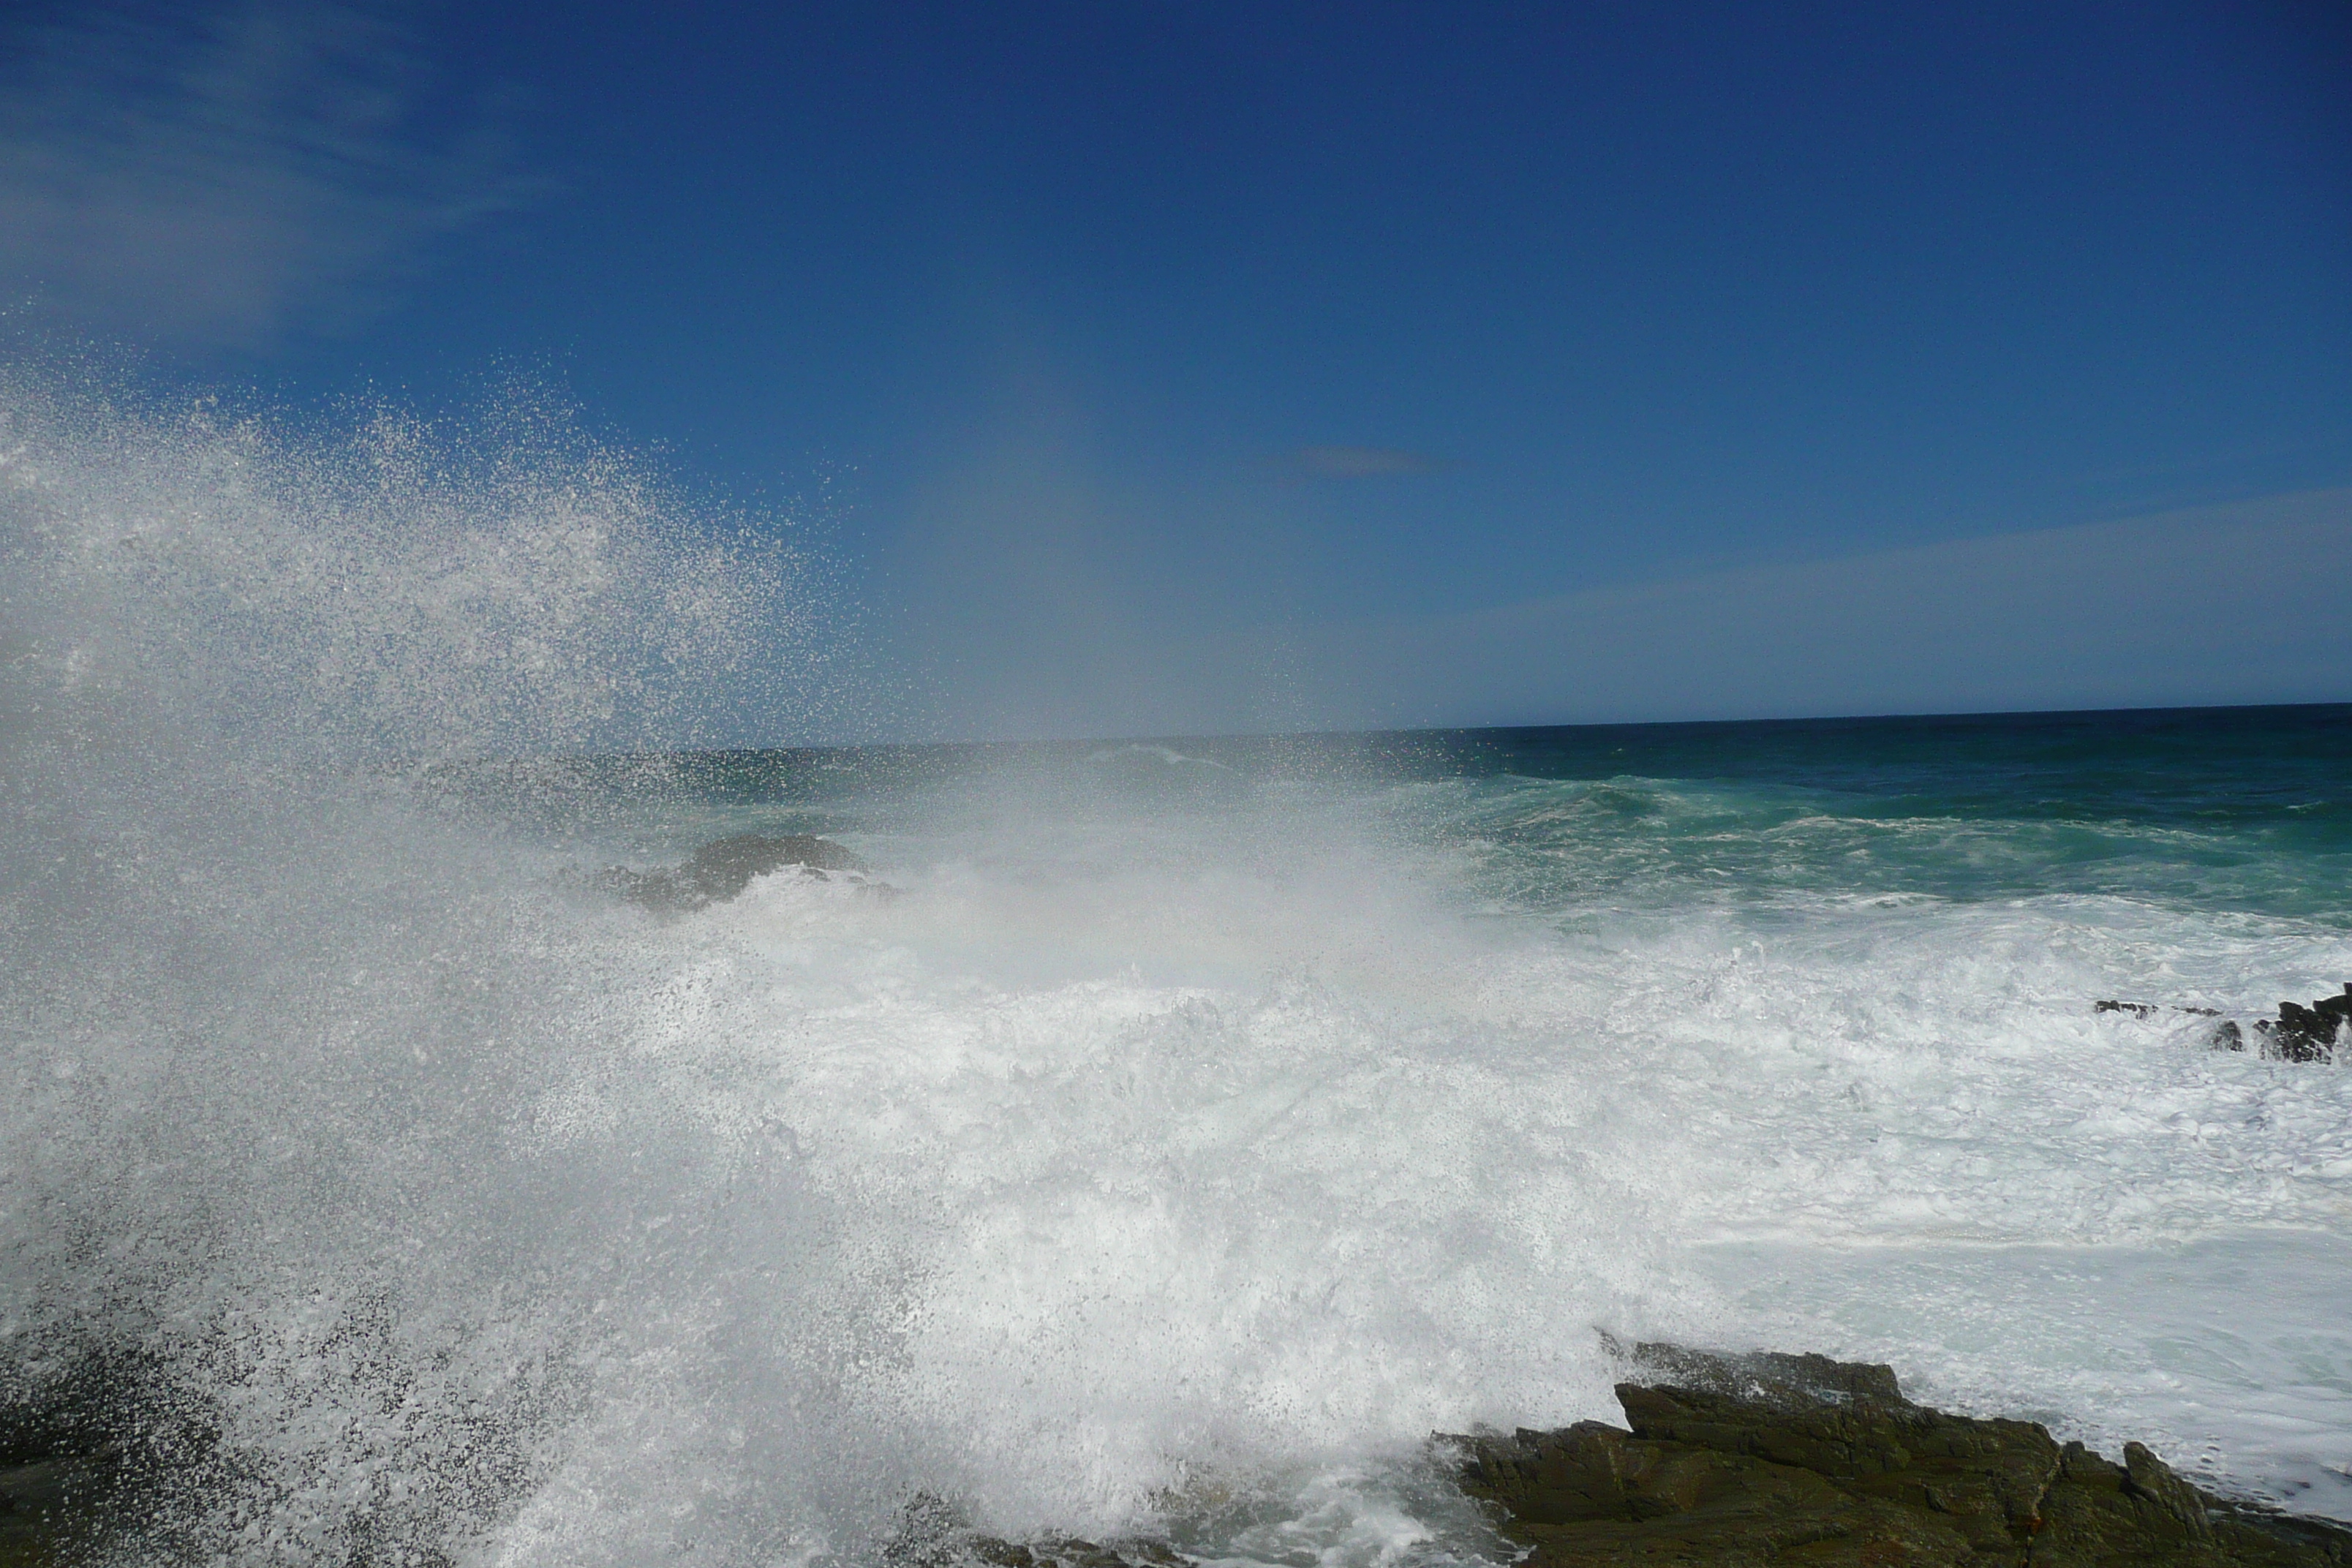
(225, 171)
(2229, 604)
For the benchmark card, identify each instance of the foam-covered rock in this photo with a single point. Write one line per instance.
(2299, 1034)
(722, 869)
(2309, 1034)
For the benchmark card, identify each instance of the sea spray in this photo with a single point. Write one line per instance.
(418, 1203)
(1205, 1124)
(277, 1024)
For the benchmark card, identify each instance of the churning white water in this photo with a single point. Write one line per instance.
(1178, 1151)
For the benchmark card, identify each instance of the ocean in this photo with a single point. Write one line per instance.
(1193, 1128)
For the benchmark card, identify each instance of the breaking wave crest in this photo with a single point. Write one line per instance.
(278, 1021)
(1201, 1129)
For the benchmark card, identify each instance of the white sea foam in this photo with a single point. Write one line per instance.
(1263, 1160)
(1176, 1154)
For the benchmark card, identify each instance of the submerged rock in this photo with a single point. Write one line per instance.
(2149, 1009)
(722, 869)
(933, 1534)
(2299, 1034)
(53, 1509)
(1800, 1459)
(72, 1444)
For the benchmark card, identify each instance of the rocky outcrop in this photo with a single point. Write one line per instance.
(933, 1534)
(1798, 1459)
(2306, 1034)
(2299, 1034)
(1753, 1461)
(722, 869)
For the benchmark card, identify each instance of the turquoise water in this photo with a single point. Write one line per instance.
(2245, 810)
(2231, 811)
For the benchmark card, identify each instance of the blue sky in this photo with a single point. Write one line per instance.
(1153, 367)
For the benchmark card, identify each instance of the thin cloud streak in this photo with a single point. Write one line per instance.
(230, 174)
(2219, 605)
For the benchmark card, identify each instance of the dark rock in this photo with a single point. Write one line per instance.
(2308, 1034)
(933, 1533)
(2149, 1009)
(2299, 1034)
(724, 868)
(1736, 1461)
(81, 1450)
(1756, 1459)
(53, 1508)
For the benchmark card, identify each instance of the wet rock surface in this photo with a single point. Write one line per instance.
(721, 869)
(71, 1445)
(51, 1510)
(933, 1534)
(2309, 1034)
(1738, 1461)
(2299, 1034)
(1798, 1459)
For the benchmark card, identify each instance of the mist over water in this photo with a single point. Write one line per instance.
(1205, 1124)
